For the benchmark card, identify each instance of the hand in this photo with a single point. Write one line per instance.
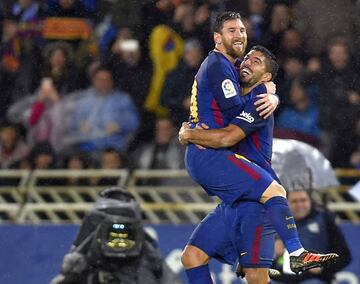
(267, 104)
(47, 91)
(270, 87)
(112, 128)
(201, 126)
(353, 97)
(85, 127)
(316, 270)
(314, 65)
(182, 133)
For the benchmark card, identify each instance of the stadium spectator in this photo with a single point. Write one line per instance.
(68, 9)
(20, 59)
(131, 74)
(42, 156)
(59, 65)
(291, 45)
(127, 14)
(251, 41)
(203, 16)
(292, 68)
(165, 152)
(280, 22)
(9, 60)
(104, 117)
(41, 119)
(193, 21)
(177, 88)
(77, 161)
(355, 159)
(301, 120)
(12, 147)
(339, 101)
(257, 9)
(355, 156)
(112, 160)
(153, 13)
(28, 10)
(337, 18)
(318, 231)
(184, 20)
(60, 78)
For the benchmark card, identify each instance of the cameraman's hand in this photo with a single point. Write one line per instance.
(58, 279)
(316, 270)
(74, 263)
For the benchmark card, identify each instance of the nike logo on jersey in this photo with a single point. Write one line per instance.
(246, 116)
(289, 217)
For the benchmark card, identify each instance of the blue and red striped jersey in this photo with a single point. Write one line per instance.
(217, 101)
(257, 146)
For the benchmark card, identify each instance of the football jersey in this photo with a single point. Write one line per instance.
(217, 101)
(257, 146)
(215, 98)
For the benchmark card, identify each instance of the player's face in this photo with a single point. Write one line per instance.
(300, 204)
(234, 38)
(252, 68)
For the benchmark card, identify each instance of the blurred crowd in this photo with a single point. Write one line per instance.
(106, 83)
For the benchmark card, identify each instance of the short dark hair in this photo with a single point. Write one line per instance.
(101, 68)
(271, 64)
(223, 17)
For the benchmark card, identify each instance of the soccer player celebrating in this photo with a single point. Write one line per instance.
(218, 102)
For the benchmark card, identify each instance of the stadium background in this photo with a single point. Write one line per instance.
(53, 163)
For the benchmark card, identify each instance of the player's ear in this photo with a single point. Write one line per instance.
(217, 38)
(267, 77)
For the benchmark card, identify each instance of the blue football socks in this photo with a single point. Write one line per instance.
(278, 212)
(199, 275)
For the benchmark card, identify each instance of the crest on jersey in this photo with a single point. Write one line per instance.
(228, 88)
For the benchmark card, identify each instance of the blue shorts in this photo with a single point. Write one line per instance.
(239, 233)
(227, 175)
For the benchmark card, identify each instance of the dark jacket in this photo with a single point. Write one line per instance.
(334, 241)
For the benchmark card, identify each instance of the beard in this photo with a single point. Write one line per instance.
(231, 51)
(247, 83)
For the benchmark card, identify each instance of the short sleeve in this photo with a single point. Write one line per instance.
(224, 83)
(249, 119)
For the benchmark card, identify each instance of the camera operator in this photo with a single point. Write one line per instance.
(112, 247)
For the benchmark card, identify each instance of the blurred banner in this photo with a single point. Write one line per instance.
(33, 254)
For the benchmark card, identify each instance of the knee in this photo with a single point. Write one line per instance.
(193, 257)
(256, 276)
